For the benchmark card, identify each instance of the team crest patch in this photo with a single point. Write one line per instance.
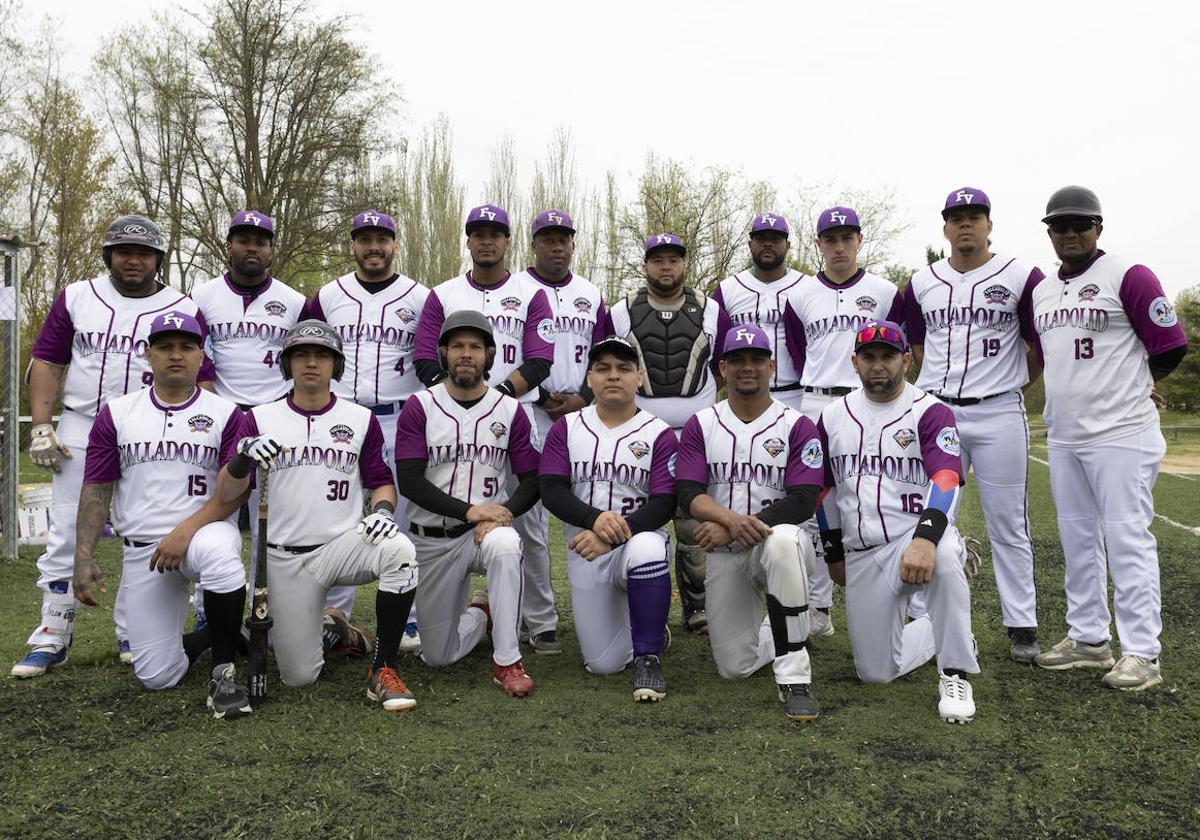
(904, 437)
(405, 314)
(866, 304)
(997, 294)
(274, 307)
(510, 304)
(947, 440)
(811, 455)
(639, 448)
(545, 330)
(583, 305)
(774, 446)
(1163, 313)
(200, 423)
(1089, 292)
(498, 429)
(341, 433)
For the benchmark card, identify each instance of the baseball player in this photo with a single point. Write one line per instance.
(91, 348)
(969, 322)
(606, 472)
(749, 469)
(892, 470)
(323, 452)
(154, 454)
(1106, 333)
(673, 327)
(457, 446)
(375, 312)
(523, 325)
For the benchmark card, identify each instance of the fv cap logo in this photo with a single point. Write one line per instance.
(554, 219)
(963, 197)
(744, 335)
(171, 318)
(768, 219)
(252, 219)
(837, 218)
(487, 213)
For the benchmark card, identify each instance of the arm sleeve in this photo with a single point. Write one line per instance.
(686, 492)
(526, 494)
(522, 457)
(723, 325)
(425, 346)
(655, 514)
(534, 371)
(559, 500)
(1164, 363)
(794, 338)
(53, 342)
(103, 465)
(313, 309)
(416, 488)
(230, 435)
(914, 321)
(1025, 305)
(371, 467)
(795, 508)
(533, 346)
(1150, 312)
(208, 373)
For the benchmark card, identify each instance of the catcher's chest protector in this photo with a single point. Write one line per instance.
(672, 346)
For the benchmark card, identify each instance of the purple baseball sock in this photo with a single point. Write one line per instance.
(649, 591)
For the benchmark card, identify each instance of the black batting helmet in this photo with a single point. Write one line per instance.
(468, 319)
(133, 230)
(313, 333)
(1073, 201)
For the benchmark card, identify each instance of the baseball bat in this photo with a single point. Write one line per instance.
(259, 621)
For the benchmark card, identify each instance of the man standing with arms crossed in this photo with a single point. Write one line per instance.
(92, 348)
(517, 306)
(673, 327)
(821, 317)
(1107, 333)
(969, 322)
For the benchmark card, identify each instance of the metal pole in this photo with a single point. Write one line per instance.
(10, 430)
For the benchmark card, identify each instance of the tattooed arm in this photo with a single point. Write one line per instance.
(94, 502)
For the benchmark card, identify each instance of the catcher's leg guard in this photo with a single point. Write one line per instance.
(691, 563)
(789, 626)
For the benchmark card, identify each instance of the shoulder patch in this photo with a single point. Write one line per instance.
(947, 440)
(812, 456)
(1163, 313)
(545, 330)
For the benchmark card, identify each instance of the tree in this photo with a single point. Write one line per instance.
(503, 188)
(1181, 389)
(428, 202)
(877, 211)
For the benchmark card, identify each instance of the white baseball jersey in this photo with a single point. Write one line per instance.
(616, 469)
(470, 452)
(245, 334)
(164, 458)
(821, 318)
(674, 410)
(329, 458)
(747, 466)
(972, 325)
(518, 310)
(102, 335)
(379, 334)
(1094, 331)
(578, 310)
(879, 456)
(744, 299)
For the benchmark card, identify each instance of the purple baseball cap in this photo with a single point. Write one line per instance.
(748, 337)
(769, 221)
(967, 197)
(616, 345)
(665, 240)
(881, 332)
(253, 219)
(836, 217)
(488, 214)
(176, 322)
(551, 220)
(372, 220)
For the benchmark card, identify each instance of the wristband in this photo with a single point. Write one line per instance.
(382, 505)
(239, 466)
(931, 526)
(831, 541)
(506, 387)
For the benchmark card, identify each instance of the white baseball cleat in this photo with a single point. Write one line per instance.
(820, 624)
(957, 699)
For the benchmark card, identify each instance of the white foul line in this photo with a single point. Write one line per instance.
(1166, 519)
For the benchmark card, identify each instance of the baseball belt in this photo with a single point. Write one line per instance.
(969, 400)
(294, 549)
(793, 387)
(439, 533)
(829, 392)
(386, 409)
(134, 543)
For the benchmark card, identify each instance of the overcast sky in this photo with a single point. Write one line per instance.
(1013, 98)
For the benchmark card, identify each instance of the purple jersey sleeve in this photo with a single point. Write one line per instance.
(429, 328)
(1150, 311)
(53, 343)
(410, 432)
(313, 309)
(522, 457)
(600, 331)
(805, 455)
(692, 463)
(662, 463)
(794, 338)
(608, 329)
(230, 435)
(895, 313)
(555, 460)
(371, 467)
(103, 465)
(208, 373)
(1025, 305)
(534, 346)
(723, 325)
(939, 441)
(914, 319)
(828, 479)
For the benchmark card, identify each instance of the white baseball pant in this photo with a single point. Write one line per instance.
(537, 609)
(1105, 500)
(820, 592)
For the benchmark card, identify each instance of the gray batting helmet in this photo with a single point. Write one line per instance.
(314, 333)
(468, 319)
(1073, 201)
(133, 230)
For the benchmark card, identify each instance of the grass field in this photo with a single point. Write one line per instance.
(85, 752)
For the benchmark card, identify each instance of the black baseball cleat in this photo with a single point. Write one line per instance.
(798, 702)
(649, 684)
(1023, 644)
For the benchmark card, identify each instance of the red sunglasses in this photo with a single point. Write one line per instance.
(878, 332)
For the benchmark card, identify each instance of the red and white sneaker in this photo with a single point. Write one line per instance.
(479, 600)
(513, 679)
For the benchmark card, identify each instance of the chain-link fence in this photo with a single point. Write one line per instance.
(10, 361)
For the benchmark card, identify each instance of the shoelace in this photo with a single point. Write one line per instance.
(956, 687)
(389, 680)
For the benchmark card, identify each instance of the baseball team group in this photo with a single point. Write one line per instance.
(418, 435)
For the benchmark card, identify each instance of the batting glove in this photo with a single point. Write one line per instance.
(377, 527)
(261, 450)
(45, 449)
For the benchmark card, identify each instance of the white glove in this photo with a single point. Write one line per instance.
(261, 450)
(377, 527)
(44, 448)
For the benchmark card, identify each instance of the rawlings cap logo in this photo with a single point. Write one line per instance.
(311, 331)
(639, 448)
(487, 213)
(138, 229)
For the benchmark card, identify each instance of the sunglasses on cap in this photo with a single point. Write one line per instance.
(1061, 226)
(878, 332)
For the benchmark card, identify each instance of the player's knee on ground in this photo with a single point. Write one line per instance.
(874, 672)
(397, 564)
(297, 675)
(612, 661)
(158, 671)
